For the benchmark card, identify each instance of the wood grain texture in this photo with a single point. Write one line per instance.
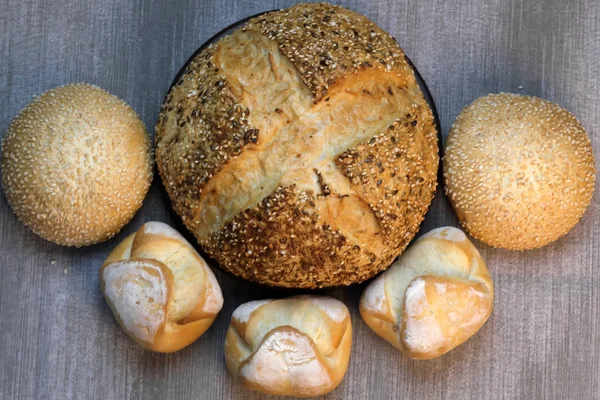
(58, 339)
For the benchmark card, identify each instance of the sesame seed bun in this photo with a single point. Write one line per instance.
(519, 171)
(76, 165)
(299, 150)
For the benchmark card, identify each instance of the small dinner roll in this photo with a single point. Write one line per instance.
(161, 291)
(299, 346)
(433, 298)
(519, 171)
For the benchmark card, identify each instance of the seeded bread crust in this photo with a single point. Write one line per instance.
(76, 165)
(519, 170)
(291, 237)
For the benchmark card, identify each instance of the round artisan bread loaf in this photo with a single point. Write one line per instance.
(299, 150)
(76, 165)
(433, 298)
(161, 291)
(299, 346)
(519, 170)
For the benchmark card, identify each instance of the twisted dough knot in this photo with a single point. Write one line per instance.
(161, 291)
(299, 346)
(436, 296)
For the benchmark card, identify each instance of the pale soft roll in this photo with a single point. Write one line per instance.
(299, 346)
(161, 291)
(435, 297)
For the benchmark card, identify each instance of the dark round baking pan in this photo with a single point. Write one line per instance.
(273, 290)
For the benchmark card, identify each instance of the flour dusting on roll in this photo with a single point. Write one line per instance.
(436, 296)
(298, 346)
(161, 291)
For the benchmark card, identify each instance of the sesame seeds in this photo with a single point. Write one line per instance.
(326, 46)
(76, 181)
(251, 136)
(329, 43)
(519, 170)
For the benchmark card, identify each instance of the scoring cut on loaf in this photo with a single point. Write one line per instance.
(299, 150)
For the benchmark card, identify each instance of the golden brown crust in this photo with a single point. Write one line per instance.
(160, 290)
(76, 165)
(519, 170)
(326, 43)
(199, 128)
(436, 296)
(350, 180)
(299, 346)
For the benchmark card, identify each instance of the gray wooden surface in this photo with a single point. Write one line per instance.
(58, 339)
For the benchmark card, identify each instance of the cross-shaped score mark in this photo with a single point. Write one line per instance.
(297, 140)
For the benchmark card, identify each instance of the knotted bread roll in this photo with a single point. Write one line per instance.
(299, 346)
(433, 298)
(161, 291)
